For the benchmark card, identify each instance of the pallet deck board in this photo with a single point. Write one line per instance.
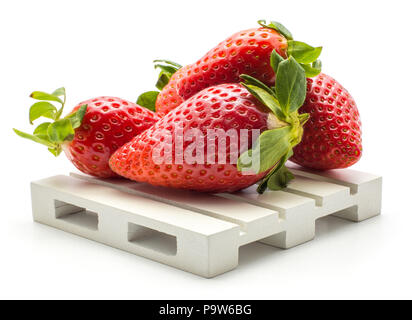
(198, 232)
(110, 198)
(226, 209)
(253, 221)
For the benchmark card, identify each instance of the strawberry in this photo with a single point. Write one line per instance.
(206, 110)
(91, 132)
(332, 136)
(245, 52)
(182, 151)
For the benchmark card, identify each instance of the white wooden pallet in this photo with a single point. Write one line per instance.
(197, 232)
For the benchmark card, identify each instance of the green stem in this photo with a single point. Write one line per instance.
(60, 112)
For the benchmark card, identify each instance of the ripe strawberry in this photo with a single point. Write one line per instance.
(246, 52)
(228, 108)
(225, 107)
(332, 136)
(91, 132)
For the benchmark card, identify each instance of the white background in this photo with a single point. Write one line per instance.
(106, 47)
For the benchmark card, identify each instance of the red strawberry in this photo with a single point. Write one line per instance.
(108, 124)
(332, 136)
(225, 107)
(228, 108)
(246, 52)
(91, 132)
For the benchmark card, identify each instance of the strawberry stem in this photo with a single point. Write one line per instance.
(306, 55)
(275, 146)
(167, 70)
(52, 134)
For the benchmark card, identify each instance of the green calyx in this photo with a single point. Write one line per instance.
(52, 134)
(306, 55)
(167, 70)
(275, 146)
(148, 100)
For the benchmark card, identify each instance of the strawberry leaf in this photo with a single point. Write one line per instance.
(278, 27)
(302, 52)
(310, 71)
(275, 59)
(41, 131)
(59, 92)
(280, 179)
(168, 68)
(267, 98)
(42, 109)
(290, 85)
(148, 100)
(56, 151)
(163, 80)
(317, 64)
(272, 174)
(39, 95)
(34, 138)
(60, 131)
(267, 151)
(76, 118)
(174, 64)
(255, 82)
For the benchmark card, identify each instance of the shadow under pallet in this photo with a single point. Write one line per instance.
(197, 232)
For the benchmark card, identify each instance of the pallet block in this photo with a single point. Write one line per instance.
(197, 232)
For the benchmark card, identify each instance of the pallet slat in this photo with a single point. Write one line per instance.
(347, 177)
(322, 192)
